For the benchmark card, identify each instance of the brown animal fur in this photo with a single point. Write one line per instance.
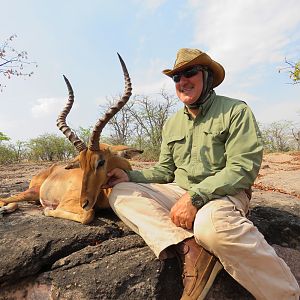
(61, 192)
(71, 191)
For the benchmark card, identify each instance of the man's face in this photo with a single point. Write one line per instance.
(189, 89)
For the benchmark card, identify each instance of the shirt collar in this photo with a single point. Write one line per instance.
(204, 107)
(207, 104)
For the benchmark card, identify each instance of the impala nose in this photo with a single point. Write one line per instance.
(85, 204)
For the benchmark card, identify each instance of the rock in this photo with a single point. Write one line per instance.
(41, 260)
(48, 258)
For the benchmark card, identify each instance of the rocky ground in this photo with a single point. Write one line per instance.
(47, 258)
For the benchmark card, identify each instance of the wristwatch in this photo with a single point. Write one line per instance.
(197, 200)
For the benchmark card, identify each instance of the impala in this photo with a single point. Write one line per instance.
(72, 191)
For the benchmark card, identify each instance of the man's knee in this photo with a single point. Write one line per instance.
(117, 191)
(123, 186)
(218, 225)
(123, 190)
(204, 232)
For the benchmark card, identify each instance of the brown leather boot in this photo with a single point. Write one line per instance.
(199, 269)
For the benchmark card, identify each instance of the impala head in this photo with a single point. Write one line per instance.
(93, 160)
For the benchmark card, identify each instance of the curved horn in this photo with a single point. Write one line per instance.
(61, 121)
(95, 137)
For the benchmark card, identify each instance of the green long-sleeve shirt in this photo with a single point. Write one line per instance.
(218, 153)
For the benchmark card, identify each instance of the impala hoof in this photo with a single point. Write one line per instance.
(9, 208)
(47, 211)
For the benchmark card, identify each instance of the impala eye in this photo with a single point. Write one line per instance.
(100, 163)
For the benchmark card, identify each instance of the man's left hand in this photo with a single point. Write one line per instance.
(183, 212)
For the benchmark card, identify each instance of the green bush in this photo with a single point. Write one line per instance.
(7, 154)
(50, 147)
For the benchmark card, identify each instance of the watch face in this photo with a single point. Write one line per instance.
(197, 200)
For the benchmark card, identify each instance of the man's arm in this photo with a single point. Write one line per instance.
(183, 212)
(116, 176)
(243, 150)
(162, 172)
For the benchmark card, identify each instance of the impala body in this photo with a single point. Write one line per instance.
(72, 191)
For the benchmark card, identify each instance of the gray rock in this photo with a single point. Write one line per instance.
(47, 258)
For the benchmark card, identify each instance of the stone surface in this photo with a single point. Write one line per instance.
(47, 258)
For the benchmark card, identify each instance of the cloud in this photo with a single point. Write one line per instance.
(151, 5)
(45, 107)
(7, 123)
(154, 87)
(242, 34)
(284, 110)
(150, 80)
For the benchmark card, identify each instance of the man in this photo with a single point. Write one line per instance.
(212, 149)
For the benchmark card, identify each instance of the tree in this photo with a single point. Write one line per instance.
(84, 133)
(7, 154)
(12, 61)
(277, 136)
(150, 116)
(10, 153)
(121, 129)
(3, 137)
(19, 150)
(140, 122)
(50, 147)
(293, 70)
(296, 135)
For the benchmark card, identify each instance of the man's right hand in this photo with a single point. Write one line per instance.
(115, 176)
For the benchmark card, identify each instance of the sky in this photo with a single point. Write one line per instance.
(80, 39)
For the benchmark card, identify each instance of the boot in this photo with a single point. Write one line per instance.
(199, 269)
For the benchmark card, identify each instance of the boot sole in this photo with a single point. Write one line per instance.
(215, 271)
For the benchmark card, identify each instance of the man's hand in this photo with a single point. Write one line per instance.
(183, 212)
(116, 176)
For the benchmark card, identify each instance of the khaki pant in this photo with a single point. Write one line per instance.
(220, 227)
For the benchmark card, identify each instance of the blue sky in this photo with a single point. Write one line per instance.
(80, 39)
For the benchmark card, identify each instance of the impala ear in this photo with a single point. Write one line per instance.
(116, 161)
(129, 153)
(73, 164)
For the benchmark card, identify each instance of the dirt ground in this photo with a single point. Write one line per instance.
(280, 172)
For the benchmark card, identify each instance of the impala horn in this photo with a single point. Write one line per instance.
(95, 137)
(61, 121)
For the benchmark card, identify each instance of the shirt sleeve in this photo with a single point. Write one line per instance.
(162, 172)
(243, 152)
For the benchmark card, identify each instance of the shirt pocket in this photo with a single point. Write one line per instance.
(216, 134)
(178, 146)
(214, 139)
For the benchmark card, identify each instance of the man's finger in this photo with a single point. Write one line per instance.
(112, 183)
(176, 221)
(189, 225)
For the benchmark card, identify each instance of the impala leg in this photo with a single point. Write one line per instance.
(7, 208)
(8, 205)
(81, 215)
(31, 194)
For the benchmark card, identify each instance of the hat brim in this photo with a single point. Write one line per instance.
(204, 60)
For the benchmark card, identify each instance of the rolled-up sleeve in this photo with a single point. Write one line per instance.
(162, 172)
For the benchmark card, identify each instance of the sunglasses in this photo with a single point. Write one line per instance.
(187, 73)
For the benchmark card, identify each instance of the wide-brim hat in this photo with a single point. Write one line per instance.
(190, 57)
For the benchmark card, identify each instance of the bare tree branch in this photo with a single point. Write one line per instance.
(294, 71)
(12, 61)
(141, 121)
